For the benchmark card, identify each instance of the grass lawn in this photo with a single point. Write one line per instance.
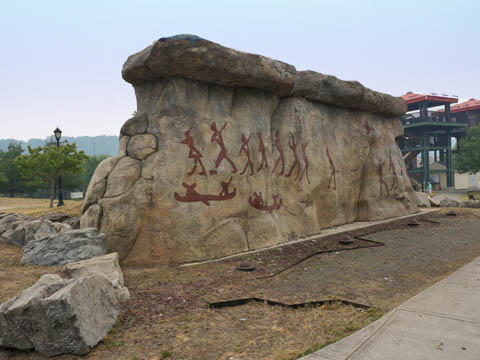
(37, 207)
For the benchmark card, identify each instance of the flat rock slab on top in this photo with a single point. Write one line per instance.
(195, 58)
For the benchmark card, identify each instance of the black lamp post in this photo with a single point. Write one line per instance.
(58, 135)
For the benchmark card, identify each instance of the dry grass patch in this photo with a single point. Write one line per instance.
(38, 207)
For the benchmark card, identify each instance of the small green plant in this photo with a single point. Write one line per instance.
(166, 354)
(374, 313)
(118, 343)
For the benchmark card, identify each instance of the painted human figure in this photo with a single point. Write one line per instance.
(381, 180)
(218, 138)
(246, 150)
(368, 128)
(193, 153)
(292, 144)
(261, 148)
(281, 157)
(332, 173)
(305, 163)
(392, 168)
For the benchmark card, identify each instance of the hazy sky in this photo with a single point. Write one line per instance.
(60, 61)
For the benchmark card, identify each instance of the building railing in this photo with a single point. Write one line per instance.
(435, 117)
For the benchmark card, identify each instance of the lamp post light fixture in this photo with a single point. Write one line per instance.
(58, 134)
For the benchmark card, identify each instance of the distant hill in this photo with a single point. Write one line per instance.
(92, 145)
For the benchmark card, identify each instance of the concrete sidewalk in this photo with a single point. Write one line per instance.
(441, 322)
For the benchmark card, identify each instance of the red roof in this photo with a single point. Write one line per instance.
(412, 98)
(471, 104)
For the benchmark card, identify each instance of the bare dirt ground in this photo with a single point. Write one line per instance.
(169, 314)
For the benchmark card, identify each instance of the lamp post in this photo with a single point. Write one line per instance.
(58, 135)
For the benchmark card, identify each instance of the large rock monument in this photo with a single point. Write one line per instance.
(230, 152)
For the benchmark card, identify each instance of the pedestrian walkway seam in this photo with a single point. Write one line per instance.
(457, 283)
(422, 312)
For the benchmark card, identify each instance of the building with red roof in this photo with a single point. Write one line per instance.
(428, 129)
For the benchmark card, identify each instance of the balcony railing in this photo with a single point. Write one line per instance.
(434, 117)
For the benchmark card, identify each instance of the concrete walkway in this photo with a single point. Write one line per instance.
(440, 323)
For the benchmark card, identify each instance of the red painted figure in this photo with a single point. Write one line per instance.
(218, 138)
(281, 157)
(332, 174)
(261, 148)
(258, 203)
(191, 195)
(246, 149)
(193, 153)
(392, 168)
(305, 163)
(293, 146)
(381, 180)
(368, 128)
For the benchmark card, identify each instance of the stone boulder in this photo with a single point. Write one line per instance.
(38, 229)
(230, 152)
(58, 316)
(24, 230)
(423, 200)
(106, 266)
(54, 217)
(447, 202)
(65, 247)
(433, 202)
(74, 222)
(474, 204)
(8, 223)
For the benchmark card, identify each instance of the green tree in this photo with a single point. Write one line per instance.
(11, 181)
(467, 158)
(47, 162)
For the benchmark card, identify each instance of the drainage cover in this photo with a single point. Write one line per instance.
(347, 239)
(246, 266)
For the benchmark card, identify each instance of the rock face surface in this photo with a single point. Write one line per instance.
(57, 316)
(230, 152)
(65, 247)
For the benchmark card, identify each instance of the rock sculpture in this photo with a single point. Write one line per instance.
(230, 152)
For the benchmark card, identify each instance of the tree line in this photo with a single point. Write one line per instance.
(34, 173)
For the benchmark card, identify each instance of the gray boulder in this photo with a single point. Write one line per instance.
(106, 266)
(74, 222)
(54, 216)
(7, 220)
(433, 202)
(58, 316)
(475, 204)
(65, 247)
(447, 202)
(15, 235)
(11, 311)
(38, 229)
(422, 199)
